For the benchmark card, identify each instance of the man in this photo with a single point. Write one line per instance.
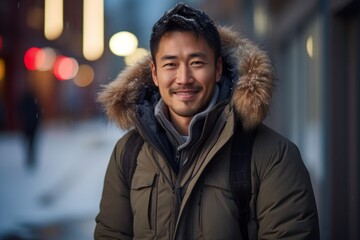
(202, 85)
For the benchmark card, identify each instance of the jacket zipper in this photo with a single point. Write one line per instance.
(176, 188)
(179, 190)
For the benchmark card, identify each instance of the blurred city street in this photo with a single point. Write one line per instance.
(59, 197)
(56, 55)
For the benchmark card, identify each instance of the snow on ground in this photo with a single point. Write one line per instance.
(59, 198)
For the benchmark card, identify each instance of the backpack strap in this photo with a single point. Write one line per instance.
(240, 174)
(129, 155)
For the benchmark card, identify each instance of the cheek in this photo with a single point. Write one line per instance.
(207, 78)
(164, 79)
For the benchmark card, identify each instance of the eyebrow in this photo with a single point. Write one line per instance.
(192, 55)
(168, 57)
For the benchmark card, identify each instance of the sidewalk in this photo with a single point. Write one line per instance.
(59, 198)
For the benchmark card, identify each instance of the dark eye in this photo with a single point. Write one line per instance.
(197, 63)
(169, 65)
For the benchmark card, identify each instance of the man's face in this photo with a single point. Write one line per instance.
(186, 72)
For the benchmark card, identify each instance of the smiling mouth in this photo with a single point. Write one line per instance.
(185, 94)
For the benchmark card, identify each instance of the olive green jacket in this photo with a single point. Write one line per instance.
(196, 202)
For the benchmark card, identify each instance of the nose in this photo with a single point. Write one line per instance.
(184, 75)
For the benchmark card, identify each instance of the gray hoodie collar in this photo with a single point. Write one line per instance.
(162, 115)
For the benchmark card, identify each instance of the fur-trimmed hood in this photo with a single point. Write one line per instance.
(248, 69)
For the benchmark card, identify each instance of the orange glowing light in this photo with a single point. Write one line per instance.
(85, 76)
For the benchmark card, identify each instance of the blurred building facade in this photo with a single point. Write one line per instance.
(315, 45)
(22, 28)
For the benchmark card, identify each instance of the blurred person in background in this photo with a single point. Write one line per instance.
(203, 88)
(29, 114)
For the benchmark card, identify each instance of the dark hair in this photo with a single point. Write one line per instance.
(185, 18)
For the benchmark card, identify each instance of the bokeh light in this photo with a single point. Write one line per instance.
(33, 58)
(123, 43)
(65, 68)
(53, 18)
(85, 76)
(46, 62)
(2, 69)
(93, 30)
(310, 46)
(260, 20)
(35, 18)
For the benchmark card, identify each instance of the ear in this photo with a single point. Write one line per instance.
(153, 74)
(218, 69)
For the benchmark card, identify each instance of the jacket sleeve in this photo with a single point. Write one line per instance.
(114, 221)
(286, 207)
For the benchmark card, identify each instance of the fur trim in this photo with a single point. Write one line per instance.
(252, 91)
(119, 97)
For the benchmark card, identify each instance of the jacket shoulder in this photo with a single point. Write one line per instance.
(267, 137)
(121, 143)
(271, 148)
(268, 140)
(285, 203)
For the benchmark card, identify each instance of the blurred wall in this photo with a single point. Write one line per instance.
(315, 45)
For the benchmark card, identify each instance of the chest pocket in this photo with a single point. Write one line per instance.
(143, 198)
(216, 189)
(217, 208)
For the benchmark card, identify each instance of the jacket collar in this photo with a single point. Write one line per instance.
(161, 113)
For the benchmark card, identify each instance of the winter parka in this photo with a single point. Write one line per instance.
(195, 201)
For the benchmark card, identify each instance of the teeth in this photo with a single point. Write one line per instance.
(185, 93)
